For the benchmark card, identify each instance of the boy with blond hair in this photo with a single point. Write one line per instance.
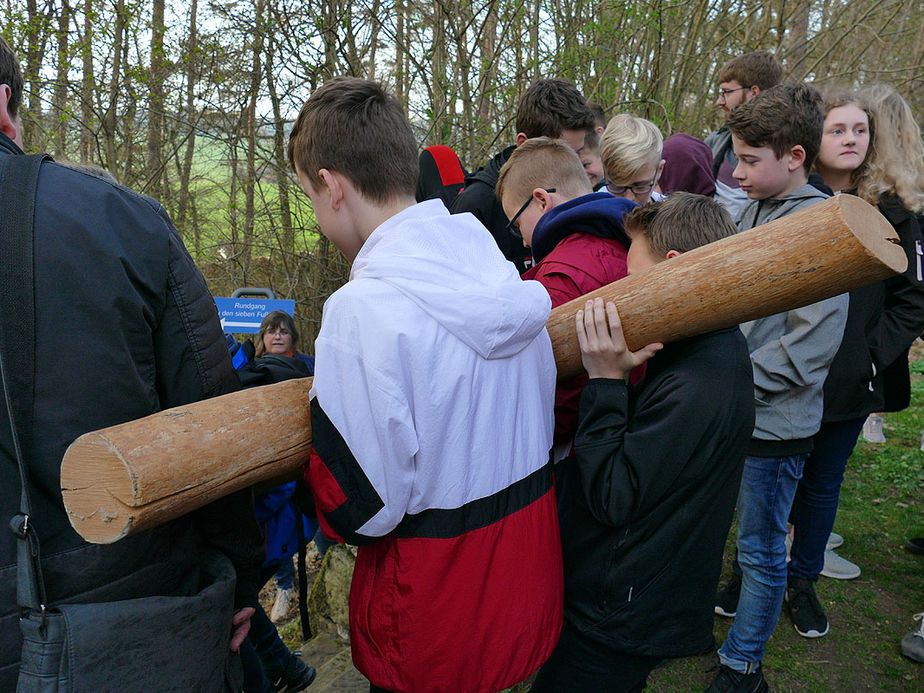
(776, 137)
(631, 152)
(418, 358)
(646, 505)
(576, 235)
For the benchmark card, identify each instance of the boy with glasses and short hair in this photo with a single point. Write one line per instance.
(740, 80)
(631, 152)
(576, 236)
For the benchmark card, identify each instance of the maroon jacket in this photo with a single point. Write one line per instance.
(579, 264)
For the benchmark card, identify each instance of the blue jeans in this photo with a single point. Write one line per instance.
(768, 486)
(285, 574)
(815, 506)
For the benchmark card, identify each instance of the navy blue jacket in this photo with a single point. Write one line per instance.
(125, 327)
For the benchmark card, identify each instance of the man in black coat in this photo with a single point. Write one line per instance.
(124, 327)
(646, 504)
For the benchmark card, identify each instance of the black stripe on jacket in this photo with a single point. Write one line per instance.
(438, 523)
(363, 501)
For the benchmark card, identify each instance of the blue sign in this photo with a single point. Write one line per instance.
(244, 315)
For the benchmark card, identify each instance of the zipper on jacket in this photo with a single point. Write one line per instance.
(918, 252)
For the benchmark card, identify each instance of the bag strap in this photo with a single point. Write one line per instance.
(18, 184)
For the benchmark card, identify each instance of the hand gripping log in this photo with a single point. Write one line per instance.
(139, 474)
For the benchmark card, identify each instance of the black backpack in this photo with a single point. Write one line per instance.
(272, 368)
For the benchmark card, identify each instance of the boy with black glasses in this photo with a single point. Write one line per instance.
(631, 151)
(576, 236)
(741, 79)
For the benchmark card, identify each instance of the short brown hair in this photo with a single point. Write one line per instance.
(353, 126)
(543, 162)
(599, 115)
(759, 68)
(681, 222)
(11, 75)
(781, 118)
(550, 106)
(591, 143)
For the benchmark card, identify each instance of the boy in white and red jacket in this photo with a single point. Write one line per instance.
(432, 344)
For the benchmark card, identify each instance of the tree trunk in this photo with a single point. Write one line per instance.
(111, 114)
(136, 475)
(87, 85)
(250, 182)
(156, 77)
(186, 166)
(287, 241)
(60, 112)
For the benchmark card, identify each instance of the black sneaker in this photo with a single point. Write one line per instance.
(915, 545)
(726, 598)
(731, 681)
(297, 677)
(808, 617)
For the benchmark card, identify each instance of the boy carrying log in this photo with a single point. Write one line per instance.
(646, 505)
(432, 343)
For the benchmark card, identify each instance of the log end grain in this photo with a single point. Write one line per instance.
(873, 230)
(93, 478)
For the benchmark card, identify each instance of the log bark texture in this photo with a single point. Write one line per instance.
(122, 479)
(136, 475)
(836, 246)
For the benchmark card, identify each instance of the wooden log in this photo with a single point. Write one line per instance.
(125, 478)
(136, 475)
(836, 246)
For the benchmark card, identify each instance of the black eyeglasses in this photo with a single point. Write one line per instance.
(637, 189)
(725, 92)
(511, 225)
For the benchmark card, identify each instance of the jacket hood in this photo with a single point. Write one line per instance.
(490, 172)
(598, 214)
(451, 268)
(687, 165)
(757, 212)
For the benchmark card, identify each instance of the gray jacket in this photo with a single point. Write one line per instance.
(792, 351)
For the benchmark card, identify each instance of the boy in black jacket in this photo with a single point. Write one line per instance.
(646, 505)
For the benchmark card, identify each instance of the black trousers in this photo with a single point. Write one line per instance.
(580, 663)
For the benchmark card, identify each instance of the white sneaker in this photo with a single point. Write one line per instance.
(281, 605)
(839, 568)
(872, 429)
(913, 642)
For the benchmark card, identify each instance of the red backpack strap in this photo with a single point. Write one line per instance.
(447, 161)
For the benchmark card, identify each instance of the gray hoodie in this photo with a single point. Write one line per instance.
(790, 352)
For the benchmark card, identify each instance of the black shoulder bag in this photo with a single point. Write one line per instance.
(162, 643)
